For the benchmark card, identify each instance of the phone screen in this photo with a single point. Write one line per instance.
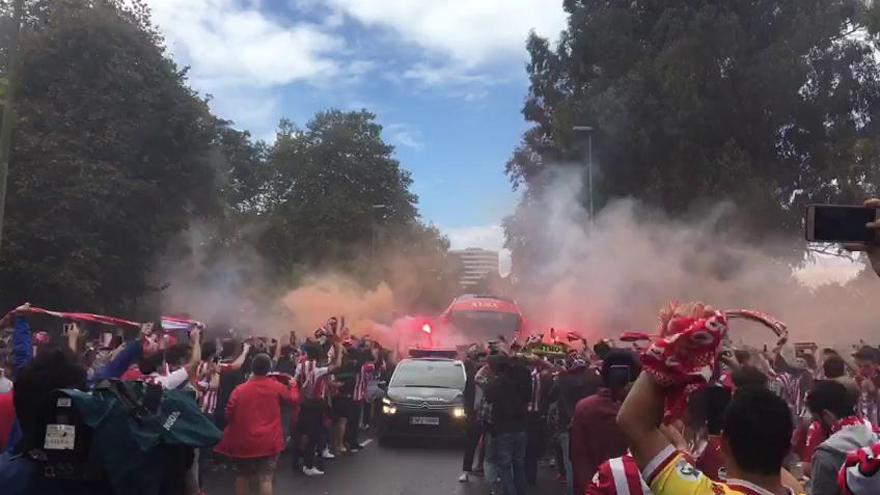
(833, 223)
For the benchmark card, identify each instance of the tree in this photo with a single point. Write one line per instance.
(336, 184)
(110, 159)
(121, 176)
(771, 104)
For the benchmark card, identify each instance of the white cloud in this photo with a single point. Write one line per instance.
(404, 135)
(470, 32)
(430, 75)
(230, 43)
(233, 46)
(257, 110)
(480, 236)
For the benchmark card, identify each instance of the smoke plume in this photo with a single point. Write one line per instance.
(613, 274)
(236, 289)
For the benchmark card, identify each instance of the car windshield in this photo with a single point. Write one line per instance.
(434, 374)
(485, 324)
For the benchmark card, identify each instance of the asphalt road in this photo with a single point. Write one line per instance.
(406, 469)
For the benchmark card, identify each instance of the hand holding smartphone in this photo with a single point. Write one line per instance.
(843, 224)
(856, 227)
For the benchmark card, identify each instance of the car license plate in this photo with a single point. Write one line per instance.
(424, 420)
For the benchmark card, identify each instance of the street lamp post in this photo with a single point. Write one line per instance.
(589, 130)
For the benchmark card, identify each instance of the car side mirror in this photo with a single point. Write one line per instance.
(383, 385)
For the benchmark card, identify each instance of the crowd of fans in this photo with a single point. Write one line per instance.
(111, 406)
(687, 413)
(790, 412)
(226, 402)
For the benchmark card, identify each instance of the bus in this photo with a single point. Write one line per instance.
(483, 317)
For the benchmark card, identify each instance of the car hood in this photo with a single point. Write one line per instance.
(417, 395)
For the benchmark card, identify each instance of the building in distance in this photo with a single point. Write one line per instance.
(476, 265)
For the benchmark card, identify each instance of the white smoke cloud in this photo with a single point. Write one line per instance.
(613, 275)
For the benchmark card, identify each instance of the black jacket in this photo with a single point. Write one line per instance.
(572, 386)
(509, 395)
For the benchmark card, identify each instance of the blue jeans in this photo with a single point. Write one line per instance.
(510, 453)
(489, 461)
(569, 474)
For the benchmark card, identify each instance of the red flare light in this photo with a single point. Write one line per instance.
(426, 328)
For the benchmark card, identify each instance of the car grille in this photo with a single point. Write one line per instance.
(422, 406)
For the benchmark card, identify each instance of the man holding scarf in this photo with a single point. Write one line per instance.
(756, 434)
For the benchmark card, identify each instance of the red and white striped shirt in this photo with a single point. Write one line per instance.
(309, 376)
(618, 476)
(361, 381)
(788, 386)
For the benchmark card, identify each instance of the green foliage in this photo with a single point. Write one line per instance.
(119, 168)
(335, 183)
(110, 159)
(771, 104)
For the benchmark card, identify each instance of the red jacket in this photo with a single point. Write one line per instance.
(595, 437)
(253, 416)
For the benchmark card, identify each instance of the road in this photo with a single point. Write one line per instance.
(400, 470)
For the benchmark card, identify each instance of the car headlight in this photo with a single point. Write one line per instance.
(458, 412)
(386, 401)
(389, 410)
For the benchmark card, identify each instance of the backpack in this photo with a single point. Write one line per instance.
(66, 450)
(141, 436)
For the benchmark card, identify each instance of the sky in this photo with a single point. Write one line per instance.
(446, 79)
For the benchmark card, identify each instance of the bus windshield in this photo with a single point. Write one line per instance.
(485, 324)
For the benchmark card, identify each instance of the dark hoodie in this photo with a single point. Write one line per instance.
(509, 395)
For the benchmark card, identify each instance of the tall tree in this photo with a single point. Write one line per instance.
(337, 183)
(772, 104)
(110, 158)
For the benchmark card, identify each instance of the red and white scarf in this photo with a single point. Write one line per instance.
(860, 474)
(849, 422)
(683, 356)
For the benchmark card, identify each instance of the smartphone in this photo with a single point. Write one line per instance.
(839, 223)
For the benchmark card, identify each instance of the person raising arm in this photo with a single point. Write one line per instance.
(239, 360)
(755, 440)
(178, 377)
(756, 436)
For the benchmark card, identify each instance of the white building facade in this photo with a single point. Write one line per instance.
(475, 264)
